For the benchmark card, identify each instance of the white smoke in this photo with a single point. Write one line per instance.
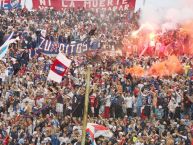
(166, 14)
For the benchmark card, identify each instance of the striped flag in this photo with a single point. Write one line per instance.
(5, 46)
(59, 68)
(96, 130)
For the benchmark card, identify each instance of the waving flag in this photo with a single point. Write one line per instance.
(96, 130)
(59, 68)
(5, 46)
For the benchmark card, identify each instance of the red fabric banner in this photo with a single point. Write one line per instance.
(87, 4)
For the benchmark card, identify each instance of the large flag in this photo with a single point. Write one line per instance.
(96, 130)
(59, 68)
(5, 46)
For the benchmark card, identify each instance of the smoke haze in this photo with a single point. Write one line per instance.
(167, 14)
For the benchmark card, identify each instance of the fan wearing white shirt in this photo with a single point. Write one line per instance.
(129, 104)
(107, 106)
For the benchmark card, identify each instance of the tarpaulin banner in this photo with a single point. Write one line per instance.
(51, 47)
(87, 4)
(10, 4)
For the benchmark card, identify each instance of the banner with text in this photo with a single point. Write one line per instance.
(50, 47)
(10, 4)
(87, 4)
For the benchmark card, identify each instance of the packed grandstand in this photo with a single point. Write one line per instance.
(141, 79)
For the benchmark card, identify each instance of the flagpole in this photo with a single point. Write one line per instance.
(86, 106)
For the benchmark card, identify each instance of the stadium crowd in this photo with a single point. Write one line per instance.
(138, 110)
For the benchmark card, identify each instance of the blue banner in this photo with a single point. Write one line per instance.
(10, 4)
(50, 47)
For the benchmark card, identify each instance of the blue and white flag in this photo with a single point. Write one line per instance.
(5, 46)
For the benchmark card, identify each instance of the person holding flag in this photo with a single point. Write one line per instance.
(59, 68)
